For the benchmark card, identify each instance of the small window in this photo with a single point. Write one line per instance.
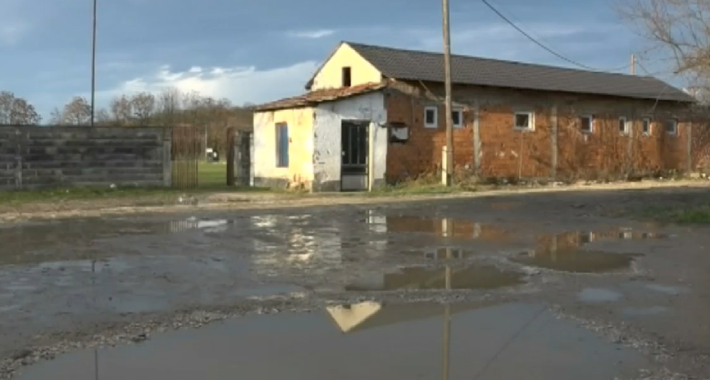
(672, 126)
(457, 117)
(646, 127)
(430, 117)
(623, 126)
(347, 76)
(524, 120)
(586, 123)
(281, 145)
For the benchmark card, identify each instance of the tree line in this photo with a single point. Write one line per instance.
(170, 107)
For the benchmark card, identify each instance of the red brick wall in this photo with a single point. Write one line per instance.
(506, 152)
(423, 152)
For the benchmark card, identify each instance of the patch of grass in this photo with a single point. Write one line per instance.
(212, 178)
(419, 189)
(212, 174)
(700, 215)
(693, 217)
(79, 193)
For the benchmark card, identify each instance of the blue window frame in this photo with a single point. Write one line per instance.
(281, 145)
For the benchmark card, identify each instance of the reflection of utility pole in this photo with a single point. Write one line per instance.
(447, 340)
(93, 287)
(553, 248)
(447, 322)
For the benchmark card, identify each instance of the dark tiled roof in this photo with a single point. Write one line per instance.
(320, 96)
(426, 66)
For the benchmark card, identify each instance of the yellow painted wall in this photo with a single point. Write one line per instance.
(300, 133)
(330, 75)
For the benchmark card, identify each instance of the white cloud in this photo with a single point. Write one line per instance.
(238, 84)
(312, 34)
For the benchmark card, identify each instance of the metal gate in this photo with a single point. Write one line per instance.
(187, 144)
(355, 156)
(239, 157)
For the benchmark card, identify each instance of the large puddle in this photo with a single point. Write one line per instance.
(440, 227)
(363, 341)
(471, 277)
(576, 260)
(566, 252)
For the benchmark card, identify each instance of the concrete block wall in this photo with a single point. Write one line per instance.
(489, 146)
(38, 157)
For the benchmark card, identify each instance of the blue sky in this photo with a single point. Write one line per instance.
(255, 51)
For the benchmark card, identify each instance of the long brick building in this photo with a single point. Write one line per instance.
(375, 114)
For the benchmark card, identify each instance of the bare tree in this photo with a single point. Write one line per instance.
(17, 111)
(143, 107)
(103, 116)
(55, 117)
(168, 105)
(121, 109)
(76, 112)
(678, 29)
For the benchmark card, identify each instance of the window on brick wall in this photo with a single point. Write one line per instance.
(457, 117)
(431, 117)
(646, 126)
(671, 126)
(586, 123)
(524, 121)
(623, 126)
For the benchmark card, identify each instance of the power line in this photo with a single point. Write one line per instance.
(540, 44)
(652, 74)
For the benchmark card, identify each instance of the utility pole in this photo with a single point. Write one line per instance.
(633, 64)
(93, 67)
(449, 149)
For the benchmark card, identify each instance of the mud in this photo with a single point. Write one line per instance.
(90, 283)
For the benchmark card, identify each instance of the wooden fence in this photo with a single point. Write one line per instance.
(186, 155)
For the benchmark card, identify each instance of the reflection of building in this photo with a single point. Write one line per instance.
(281, 244)
(471, 277)
(446, 227)
(216, 225)
(367, 315)
(564, 251)
(567, 241)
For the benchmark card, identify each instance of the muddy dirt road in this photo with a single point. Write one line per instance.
(549, 286)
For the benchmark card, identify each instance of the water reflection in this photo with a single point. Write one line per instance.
(394, 341)
(565, 252)
(36, 243)
(421, 278)
(208, 225)
(282, 245)
(441, 227)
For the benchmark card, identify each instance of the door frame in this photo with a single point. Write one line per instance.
(361, 168)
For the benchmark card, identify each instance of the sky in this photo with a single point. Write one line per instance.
(258, 51)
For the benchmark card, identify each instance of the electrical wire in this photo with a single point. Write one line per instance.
(545, 47)
(513, 338)
(651, 74)
(661, 93)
